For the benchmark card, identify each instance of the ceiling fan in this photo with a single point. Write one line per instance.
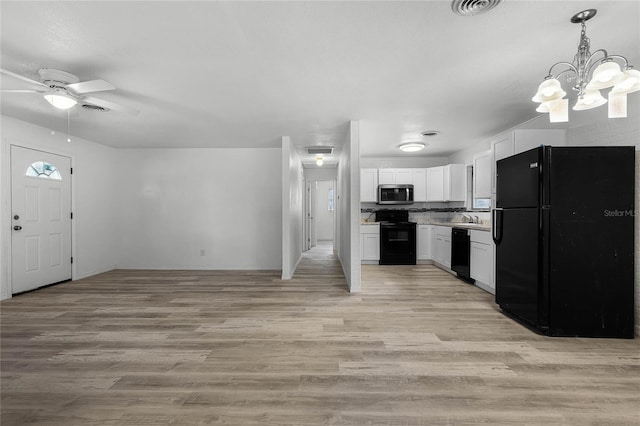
(64, 90)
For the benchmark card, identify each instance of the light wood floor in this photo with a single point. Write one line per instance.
(416, 347)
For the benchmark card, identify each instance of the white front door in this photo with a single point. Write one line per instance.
(40, 218)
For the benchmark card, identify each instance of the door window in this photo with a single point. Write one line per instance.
(42, 169)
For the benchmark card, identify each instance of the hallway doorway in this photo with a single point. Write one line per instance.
(320, 205)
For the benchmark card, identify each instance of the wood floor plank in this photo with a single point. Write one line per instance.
(415, 347)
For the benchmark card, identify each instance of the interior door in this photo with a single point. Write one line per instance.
(40, 218)
(313, 235)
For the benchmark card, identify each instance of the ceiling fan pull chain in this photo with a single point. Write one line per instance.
(68, 126)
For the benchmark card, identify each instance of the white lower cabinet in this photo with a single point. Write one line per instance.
(370, 242)
(442, 249)
(424, 241)
(481, 261)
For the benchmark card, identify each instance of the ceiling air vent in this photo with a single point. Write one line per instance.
(315, 150)
(94, 107)
(473, 7)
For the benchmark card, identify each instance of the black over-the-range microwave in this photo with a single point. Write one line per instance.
(395, 194)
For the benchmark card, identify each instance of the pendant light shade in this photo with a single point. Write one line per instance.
(629, 84)
(543, 107)
(590, 99)
(605, 75)
(549, 90)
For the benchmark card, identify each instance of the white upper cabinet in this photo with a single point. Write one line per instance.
(368, 185)
(419, 185)
(404, 176)
(482, 175)
(447, 183)
(521, 140)
(435, 183)
(395, 176)
(386, 176)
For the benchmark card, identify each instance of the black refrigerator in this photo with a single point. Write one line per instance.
(564, 233)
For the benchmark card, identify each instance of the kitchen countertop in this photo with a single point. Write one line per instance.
(476, 226)
(465, 225)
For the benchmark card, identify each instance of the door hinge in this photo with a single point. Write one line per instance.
(71, 259)
(71, 215)
(71, 170)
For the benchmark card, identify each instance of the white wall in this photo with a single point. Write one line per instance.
(292, 206)
(199, 209)
(324, 217)
(93, 192)
(348, 217)
(320, 173)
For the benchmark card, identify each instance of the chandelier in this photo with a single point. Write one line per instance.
(591, 73)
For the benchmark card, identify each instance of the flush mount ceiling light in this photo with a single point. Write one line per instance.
(59, 98)
(590, 72)
(412, 146)
(319, 160)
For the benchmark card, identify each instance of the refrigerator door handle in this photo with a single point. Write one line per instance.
(497, 225)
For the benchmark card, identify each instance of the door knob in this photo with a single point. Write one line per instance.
(17, 227)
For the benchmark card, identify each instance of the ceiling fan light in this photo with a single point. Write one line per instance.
(412, 146)
(607, 74)
(630, 83)
(549, 90)
(60, 100)
(590, 99)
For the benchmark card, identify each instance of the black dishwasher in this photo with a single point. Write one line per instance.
(461, 253)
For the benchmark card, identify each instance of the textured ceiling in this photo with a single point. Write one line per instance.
(243, 74)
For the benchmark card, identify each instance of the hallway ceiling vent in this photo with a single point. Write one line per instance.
(315, 150)
(473, 7)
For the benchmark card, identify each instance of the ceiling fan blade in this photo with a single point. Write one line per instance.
(91, 86)
(21, 77)
(22, 91)
(111, 105)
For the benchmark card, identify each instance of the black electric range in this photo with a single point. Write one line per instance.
(397, 237)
